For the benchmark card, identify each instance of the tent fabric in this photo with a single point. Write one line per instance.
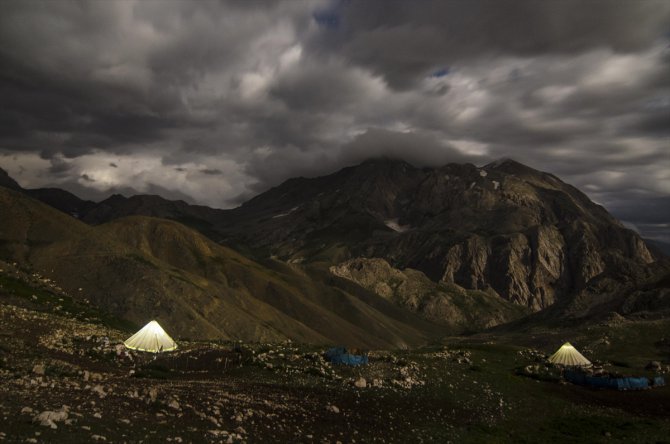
(151, 338)
(340, 355)
(568, 355)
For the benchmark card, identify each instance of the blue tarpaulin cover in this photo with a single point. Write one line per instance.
(340, 355)
(626, 383)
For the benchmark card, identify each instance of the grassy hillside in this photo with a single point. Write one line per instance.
(141, 268)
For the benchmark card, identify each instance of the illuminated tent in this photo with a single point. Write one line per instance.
(569, 356)
(151, 338)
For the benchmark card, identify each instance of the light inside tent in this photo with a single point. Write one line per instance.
(151, 338)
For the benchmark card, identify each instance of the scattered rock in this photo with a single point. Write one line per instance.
(39, 369)
(49, 418)
(152, 395)
(654, 365)
(99, 390)
(361, 382)
(174, 405)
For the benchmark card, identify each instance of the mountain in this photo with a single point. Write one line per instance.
(522, 233)
(139, 268)
(62, 200)
(503, 233)
(8, 182)
(201, 218)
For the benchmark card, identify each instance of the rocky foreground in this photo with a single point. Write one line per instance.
(66, 377)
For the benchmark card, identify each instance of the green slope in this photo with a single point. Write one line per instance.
(141, 268)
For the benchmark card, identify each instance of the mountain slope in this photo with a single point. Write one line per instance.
(505, 229)
(7, 182)
(140, 268)
(520, 232)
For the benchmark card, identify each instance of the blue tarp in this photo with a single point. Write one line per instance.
(627, 383)
(340, 355)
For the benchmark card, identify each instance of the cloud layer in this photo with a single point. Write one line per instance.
(214, 101)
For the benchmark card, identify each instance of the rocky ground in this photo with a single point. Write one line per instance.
(66, 377)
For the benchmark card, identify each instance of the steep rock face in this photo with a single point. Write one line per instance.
(447, 304)
(520, 232)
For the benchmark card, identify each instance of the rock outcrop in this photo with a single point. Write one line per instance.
(447, 304)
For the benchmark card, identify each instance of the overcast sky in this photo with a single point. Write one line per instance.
(213, 102)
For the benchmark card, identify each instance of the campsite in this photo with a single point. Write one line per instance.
(334, 222)
(72, 362)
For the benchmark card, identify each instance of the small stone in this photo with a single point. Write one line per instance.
(173, 405)
(653, 365)
(333, 409)
(361, 383)
(49, 418)
(153, 394)
(96, 377)
(26, 410)
(39, 369)
(99, 390)
(98, 438)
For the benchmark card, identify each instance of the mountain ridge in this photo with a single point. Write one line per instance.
(504, 229)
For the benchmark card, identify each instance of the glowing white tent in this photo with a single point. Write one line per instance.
(151, 338)
(569, 356)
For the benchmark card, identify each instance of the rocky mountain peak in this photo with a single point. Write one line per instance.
(520, 232)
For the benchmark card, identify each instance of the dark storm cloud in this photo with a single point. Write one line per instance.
(59, 167)
(406, 40)
(419, 149)
(52, 112)
(212, 171)
(214, 101)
